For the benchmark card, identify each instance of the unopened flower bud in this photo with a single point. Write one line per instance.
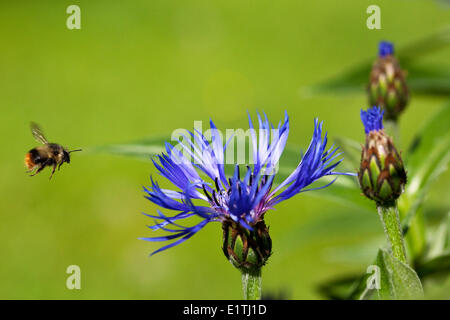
(382, 176)
(387, 87)
(246, 250)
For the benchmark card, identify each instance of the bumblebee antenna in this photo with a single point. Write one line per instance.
(75, 150)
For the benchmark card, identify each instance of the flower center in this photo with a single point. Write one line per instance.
(242, 198)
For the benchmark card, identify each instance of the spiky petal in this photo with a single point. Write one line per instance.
(240, 201)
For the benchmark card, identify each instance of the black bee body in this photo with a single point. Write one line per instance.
(48, 155)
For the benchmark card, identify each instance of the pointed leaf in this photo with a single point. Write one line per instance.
(441, 238)
(437, 265)
(142, 149)
(397, 280)
(429, 153)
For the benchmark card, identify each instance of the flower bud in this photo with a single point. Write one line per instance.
(387, 87)
(382, 176)
(246, 250)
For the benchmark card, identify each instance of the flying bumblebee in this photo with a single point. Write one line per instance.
(50, 154)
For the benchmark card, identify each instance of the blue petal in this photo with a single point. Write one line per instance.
(315, 163)
(183, 234)
(372, 119)
(268, 149)
(385, 48)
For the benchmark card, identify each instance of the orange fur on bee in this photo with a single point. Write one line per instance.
(28, 161)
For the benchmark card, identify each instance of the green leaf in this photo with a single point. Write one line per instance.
(141, 149)
(339, 288)
(437, 265)
(426, 159)
(344, 190)
(352, 153)
(441, 238)
(429, 80)
(429, 153)
(397, 280)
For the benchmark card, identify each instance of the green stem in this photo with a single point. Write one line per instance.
(393, 130)
(392, 228)
(251, 285)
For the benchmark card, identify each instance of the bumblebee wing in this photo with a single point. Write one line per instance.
(37, 133)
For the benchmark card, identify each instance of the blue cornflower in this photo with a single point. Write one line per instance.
(197, 169)
(385, 48)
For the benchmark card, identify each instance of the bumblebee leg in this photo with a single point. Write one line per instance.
(53, 170)
(41, 166)
(59, 166)
(31, 170)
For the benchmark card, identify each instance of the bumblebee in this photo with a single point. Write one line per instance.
(50, 154)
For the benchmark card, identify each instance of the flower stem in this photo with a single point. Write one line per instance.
(392, 128)
(251, 285)
(392, 228)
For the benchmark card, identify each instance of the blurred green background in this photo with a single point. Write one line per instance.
(143, 68)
